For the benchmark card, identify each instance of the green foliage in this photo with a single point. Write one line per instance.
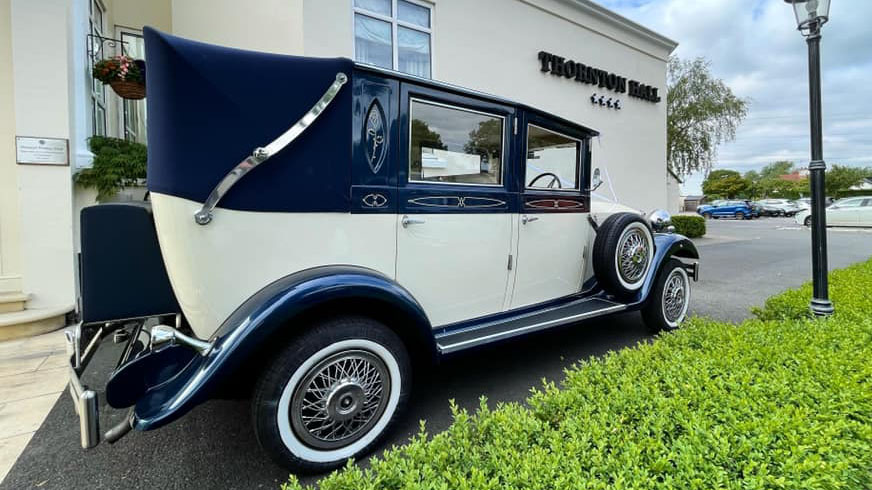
(702, 113)
(777, 169)
(118, 163)
(850, 193)
(841, 178)
(849, 289)
(761, 405)
(689, 226)
(724, 183)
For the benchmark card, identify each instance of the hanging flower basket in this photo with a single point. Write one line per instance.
(128, 90)
(125, 75)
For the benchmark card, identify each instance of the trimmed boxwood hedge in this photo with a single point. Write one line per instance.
(689, 226)
(766, 404)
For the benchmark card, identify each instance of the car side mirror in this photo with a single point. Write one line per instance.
(596, 181)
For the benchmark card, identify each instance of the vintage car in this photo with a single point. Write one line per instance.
(318, 229)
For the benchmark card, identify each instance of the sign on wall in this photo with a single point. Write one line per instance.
(41, 151)
(582, 73)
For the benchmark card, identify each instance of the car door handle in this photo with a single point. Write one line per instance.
(406, 221)
(528, 219)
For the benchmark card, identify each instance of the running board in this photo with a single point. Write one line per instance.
(523, 324)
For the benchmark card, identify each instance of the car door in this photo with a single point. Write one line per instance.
(552, 228)
(454, 229)
(865, 218)
(844, 213)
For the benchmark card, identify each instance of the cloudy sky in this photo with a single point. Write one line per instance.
(754, 47)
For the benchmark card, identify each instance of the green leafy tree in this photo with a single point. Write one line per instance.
(702, 113)
(777, 169)
(724, 183)
(842, 178)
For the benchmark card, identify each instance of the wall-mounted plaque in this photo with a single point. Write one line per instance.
(41, 151)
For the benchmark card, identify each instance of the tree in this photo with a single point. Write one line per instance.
(702, 112)
(775, 170)
(724, 183)
(841, 178)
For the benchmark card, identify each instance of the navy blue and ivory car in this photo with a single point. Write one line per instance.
(320, 229)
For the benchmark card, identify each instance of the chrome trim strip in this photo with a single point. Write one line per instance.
(447, 349)
(260, 155)
(461, 202)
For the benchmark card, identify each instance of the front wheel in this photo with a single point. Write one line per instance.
(666, 308)
(707, 215)
(331, 394)
(807, 221)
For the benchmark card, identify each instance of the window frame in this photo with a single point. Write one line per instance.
(395, 23)
(124, 133)
(500, 185)
(97, 96)
(578, 160)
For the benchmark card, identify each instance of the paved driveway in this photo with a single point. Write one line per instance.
(213, 447)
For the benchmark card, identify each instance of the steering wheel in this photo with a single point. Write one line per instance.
(554, 180)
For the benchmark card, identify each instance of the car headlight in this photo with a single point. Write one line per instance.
(660, 220)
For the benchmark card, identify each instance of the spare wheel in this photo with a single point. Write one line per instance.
(622, 253)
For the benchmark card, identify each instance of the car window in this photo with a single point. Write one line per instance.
(849, 203)
(867, 203)
(552, 160)
(454, 145)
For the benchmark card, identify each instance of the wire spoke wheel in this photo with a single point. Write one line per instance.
(340, 399)
(675, 295)
(633, 252)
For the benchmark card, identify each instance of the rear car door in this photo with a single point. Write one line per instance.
(552, 224)
(865, 214)
(454, 229)
(845, 212)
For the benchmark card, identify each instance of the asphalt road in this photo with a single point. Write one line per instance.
(743, 262)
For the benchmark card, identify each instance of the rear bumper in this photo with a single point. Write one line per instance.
(84, 399)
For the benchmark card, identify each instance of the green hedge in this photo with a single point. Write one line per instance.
(689, 226)
(775, 404)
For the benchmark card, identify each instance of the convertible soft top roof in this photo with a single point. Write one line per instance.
(445, 86)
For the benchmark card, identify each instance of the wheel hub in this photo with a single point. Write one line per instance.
(340, 399)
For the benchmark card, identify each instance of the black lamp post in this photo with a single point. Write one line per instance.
(811, 15)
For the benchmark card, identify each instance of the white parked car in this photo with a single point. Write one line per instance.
(398, 221)
(780, 207)
(850, 211)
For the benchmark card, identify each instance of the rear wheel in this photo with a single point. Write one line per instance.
(331, 394)
(740, 215)
(666, 308)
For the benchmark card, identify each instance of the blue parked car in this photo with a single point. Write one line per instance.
(727, 209)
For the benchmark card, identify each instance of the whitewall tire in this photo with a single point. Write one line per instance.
(331, 394)
(622, 254)
(667, 305)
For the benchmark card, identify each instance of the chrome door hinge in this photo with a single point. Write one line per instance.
(515, 124)
(510, 261)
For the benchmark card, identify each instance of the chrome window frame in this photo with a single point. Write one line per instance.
(578, 153)
(500, 185)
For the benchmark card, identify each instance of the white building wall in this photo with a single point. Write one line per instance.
(493, 46)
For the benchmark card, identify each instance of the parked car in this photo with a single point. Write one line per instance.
(803, 203)
(756, 209)
(727, 209)
(851, 211)
(367, 240)
(779, 207)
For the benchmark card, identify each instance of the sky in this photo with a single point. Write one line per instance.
(753, 45)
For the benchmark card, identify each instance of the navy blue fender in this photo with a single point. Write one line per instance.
(666, 246)
(269, 311)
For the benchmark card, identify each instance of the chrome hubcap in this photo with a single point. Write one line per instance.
(633, 252)
(675, 297)
(340, 399)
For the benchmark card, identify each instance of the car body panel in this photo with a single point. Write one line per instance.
(850, 211)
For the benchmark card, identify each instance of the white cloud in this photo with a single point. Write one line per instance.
(754, 46)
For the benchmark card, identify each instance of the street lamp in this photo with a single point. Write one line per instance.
(811, 15)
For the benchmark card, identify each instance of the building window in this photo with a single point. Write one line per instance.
(454, 145)
(132, 111)
(394, 34)
(96, 20)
